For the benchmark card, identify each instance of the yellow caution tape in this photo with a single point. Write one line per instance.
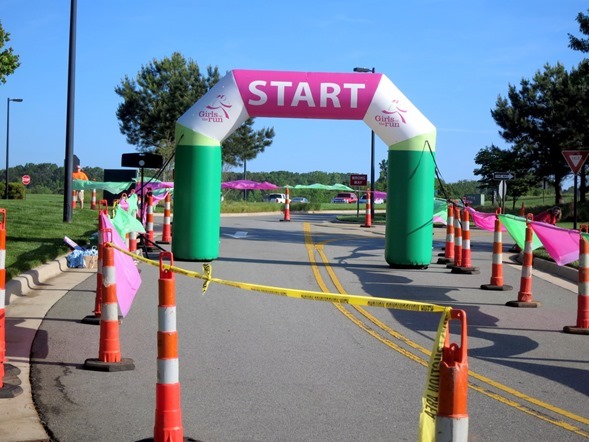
(431, 393)
(294, 293)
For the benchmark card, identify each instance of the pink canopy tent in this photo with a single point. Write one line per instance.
(248, 185)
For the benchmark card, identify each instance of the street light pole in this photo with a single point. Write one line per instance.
(372, 183)
(8, 100)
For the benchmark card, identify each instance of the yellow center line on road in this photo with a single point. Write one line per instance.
(318, 247)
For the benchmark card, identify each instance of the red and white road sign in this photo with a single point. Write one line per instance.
(358, 180)
(26, 180)
(575, 159)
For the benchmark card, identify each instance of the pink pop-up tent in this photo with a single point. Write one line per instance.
(248, 185)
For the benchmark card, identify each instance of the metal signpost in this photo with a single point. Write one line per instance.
(358, 181)
(501, 177)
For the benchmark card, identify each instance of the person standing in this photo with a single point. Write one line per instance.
(79, 174)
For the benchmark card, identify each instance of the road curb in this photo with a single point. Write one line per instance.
(25, 283)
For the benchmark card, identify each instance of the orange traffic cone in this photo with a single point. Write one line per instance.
(496, 282)
(524, 296)
(457, 240)
(448, 255)
(109, 352)
(582, 326)
(149, 219)
(287, 207)
(368, 217)
(452, 416)
(466, 267)
(167, 227)
(93, 200)
(9, 384)
(168, 410)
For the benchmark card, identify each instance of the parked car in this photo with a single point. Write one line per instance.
(345, 198)
(364, 198)
(276, 198)
(299, 199)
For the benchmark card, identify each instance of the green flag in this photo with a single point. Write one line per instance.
(516, 227)
(124, 222)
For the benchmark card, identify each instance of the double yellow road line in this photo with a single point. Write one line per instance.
(534, 407)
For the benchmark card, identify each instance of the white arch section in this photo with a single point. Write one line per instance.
(370, 97)
(242, 94)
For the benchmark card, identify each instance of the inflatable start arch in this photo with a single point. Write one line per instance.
(242, 94)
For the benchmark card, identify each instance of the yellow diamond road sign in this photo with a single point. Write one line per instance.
(575, 159)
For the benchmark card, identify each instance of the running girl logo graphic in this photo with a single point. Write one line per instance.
(213, 112)
(388, 120)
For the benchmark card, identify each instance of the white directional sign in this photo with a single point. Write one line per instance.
(503, 176)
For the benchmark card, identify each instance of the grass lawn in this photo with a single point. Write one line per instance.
(35, 230)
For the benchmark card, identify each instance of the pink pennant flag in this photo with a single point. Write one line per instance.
(561, 244)
(485, 221)
(128, 278)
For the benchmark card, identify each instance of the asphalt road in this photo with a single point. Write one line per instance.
(261, 367)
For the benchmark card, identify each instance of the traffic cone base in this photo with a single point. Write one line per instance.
(445, 260)
(465, 270)
(91, 319)
(496, 287)
(524, 304)
(96, 364)
(575, 330)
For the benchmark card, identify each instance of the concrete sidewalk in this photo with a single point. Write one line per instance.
(28, 299)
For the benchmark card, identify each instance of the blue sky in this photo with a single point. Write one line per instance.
(450, 58)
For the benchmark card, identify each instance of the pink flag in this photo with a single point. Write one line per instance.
(485, 221)
(128, 278)
(561, 244)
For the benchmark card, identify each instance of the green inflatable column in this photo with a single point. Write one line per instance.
(410, 203)
(197, 199)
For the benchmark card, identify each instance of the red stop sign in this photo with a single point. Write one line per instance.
(26, 180)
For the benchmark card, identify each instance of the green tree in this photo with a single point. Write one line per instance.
(160, 94)
(538, 118)
(580, 44)
(9, 61)
(581, 75)
(381, 182)
(245, 144)
(492, 159)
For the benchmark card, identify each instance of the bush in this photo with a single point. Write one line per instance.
(16, 191)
